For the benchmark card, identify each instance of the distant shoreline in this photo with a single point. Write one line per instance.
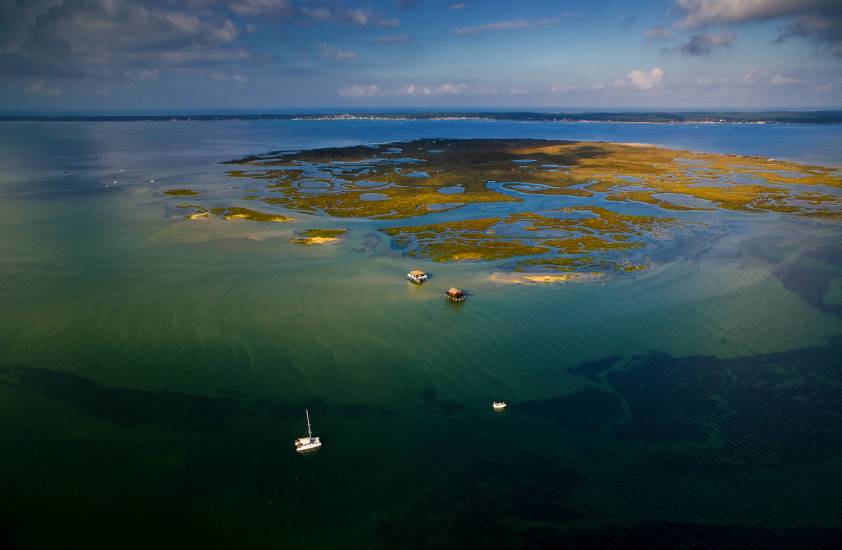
(697, 117)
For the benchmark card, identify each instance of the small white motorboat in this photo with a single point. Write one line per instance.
(416, 276)
(498, 405)
(307, 443)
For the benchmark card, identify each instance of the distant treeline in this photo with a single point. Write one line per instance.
(787, 117)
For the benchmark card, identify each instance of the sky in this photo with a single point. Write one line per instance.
(293, 55)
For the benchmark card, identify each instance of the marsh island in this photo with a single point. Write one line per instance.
(559, 206)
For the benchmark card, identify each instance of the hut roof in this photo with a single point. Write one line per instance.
(417, 272)
(454, 291)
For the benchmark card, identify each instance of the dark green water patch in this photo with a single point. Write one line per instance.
(445, 406)
(128, 407)
(494, 504)
(671, 400)
(8, 532)
(672, 535)
(704, 414)
(593, 369)
(812, 275)
(125, 406)
(349, 411)
(589, 409)
(802, 267)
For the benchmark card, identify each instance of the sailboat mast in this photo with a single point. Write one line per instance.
(309, 431)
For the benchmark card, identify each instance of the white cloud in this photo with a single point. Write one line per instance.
(657, 33)
(442, 89)
(509, 25)
(457, 5)
(372, 90)
(705, 12)
(451, 88)
(816, 20)
(752, 78)
(364, 18)
(358, 17)
(388, 23)
(319, 14)
(639, 79)
(779, 79)
(337, 54)
(143, 74)
(708, 81)
(239, 79)
(107, 38)
(392, 39)
(39, 87)
(259, 7)
(227, 32)
(706, 43)
(366, 90)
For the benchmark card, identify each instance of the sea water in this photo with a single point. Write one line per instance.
(154, 371)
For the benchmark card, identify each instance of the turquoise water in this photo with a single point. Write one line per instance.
(154, 371)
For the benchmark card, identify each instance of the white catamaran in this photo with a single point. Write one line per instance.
(307, 443)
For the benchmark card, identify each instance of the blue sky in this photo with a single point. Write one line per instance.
(169, 55)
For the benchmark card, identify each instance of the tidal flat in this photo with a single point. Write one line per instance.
(418, 178)
(318, 236)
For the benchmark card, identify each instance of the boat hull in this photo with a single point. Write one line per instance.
(307, 444)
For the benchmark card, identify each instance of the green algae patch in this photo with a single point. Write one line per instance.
(468, 240)
(454, 250)
(727, 181)
(180, 192)
(586, 243)
(593, 219)
(396, 203)
(568, 239)
(317, 236)
(324, 232)
(579, 169)
(238, 213)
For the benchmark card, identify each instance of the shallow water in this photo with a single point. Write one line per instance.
(154, 370)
